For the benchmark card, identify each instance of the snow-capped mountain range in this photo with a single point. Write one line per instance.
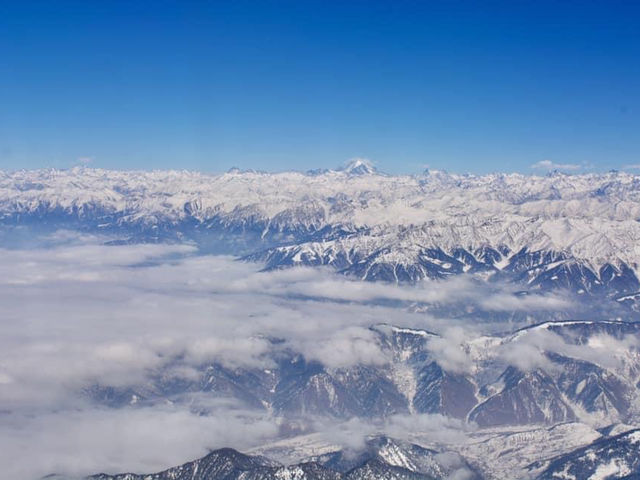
(556, 399)
(382, 458)
(580, 232)
(609, 456)
(565, 372)
(521, 420)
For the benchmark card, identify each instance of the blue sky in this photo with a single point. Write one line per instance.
(463, 86)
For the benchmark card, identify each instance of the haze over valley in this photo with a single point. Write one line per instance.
(295, 317)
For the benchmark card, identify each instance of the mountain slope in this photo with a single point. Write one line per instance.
(578, 232)
(613, 457)
(382, 458)
(584, 370)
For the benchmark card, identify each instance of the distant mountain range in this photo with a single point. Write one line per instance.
(557, 399)
(578, 232)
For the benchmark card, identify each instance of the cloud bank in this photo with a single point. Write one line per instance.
(79, 314)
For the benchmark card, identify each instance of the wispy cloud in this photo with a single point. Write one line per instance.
(84, 440)
(529, 350)
(118, 315)
(549, 165)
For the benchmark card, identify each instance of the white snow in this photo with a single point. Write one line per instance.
(615, 468)
(593, 216)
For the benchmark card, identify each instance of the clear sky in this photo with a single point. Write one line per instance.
(464, 86)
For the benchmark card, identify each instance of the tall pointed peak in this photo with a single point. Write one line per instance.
(359, 166)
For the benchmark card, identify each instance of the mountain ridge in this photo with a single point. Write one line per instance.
(548, 229)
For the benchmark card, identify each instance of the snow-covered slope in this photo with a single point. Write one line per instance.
(228, 464)
(382, 458)
(544, 375)
(592, 217)
(554, 383)
(606, 458)
(572, 451)
(572, 231)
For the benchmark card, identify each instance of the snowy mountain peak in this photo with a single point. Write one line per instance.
(359, 166)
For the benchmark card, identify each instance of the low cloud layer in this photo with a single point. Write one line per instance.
(88, 440)
(529, 350)
(78, 314)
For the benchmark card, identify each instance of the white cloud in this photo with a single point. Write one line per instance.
(77, 442)
(449, 350)
(319, 283)
(433, 428)
(116, 314)
(232, 352)
(526, 355)
(507, 301)
(346, 347)
(529, 350)
(80, 313)
(549, 165)
(436, 428)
